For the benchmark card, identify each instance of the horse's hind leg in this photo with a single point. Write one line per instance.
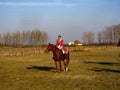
(65, 65)
(67, 61)
(66, 69)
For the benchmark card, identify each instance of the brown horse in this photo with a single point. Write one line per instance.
(58, 57)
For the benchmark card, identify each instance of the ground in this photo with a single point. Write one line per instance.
(89, 70)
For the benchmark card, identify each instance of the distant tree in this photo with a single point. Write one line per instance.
(28, 37)
(44, 38)
(99, 37)
(38, 37)
(117, 33)
(34, 38)
(91, 36)
(4, 39)
(88, 37)
(84, 37)
(9, 38)
(109, 35)
(1, 40)
(17, 38)
(24, 39)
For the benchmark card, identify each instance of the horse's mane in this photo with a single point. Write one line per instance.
(54, 46)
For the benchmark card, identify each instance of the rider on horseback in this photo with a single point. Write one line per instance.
(60, 46)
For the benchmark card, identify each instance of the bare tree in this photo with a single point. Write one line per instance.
(28, 37)
(1, 40)
(84, 37)
(117, 33)
(88, 37)
(9, 38)
(111, 34)
(34, 37)
(44, 38)
(38, 37)
(99, 37)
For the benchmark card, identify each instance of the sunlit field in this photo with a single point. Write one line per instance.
(88, 70)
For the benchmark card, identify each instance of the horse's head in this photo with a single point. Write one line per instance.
(49, 48)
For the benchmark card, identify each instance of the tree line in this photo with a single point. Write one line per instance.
(24, 38)
(110, 35)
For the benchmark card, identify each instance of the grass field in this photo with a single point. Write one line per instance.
(89, 70)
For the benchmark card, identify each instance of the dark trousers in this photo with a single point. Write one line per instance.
(62, 54)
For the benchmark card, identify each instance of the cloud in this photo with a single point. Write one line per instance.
(42, 4)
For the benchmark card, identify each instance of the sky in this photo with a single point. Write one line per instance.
(69, 18)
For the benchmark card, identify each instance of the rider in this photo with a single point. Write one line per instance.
(60, 46)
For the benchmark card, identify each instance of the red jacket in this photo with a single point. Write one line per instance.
(60, 45)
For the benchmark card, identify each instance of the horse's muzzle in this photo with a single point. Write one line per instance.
(46, 51)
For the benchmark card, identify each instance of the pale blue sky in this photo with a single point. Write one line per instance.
(70, 18)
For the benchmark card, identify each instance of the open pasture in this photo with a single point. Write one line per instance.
(89, 70)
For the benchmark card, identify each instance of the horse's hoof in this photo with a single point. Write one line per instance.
(66, 69)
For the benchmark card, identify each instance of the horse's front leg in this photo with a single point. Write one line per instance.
(56, 66)
(60, 67)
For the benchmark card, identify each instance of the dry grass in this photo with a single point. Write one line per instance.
(89, 70)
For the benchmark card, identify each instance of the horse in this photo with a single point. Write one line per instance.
(58, 57)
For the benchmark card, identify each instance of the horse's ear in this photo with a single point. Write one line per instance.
(48, 43)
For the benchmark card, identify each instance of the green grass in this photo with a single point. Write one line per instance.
(89, 70)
